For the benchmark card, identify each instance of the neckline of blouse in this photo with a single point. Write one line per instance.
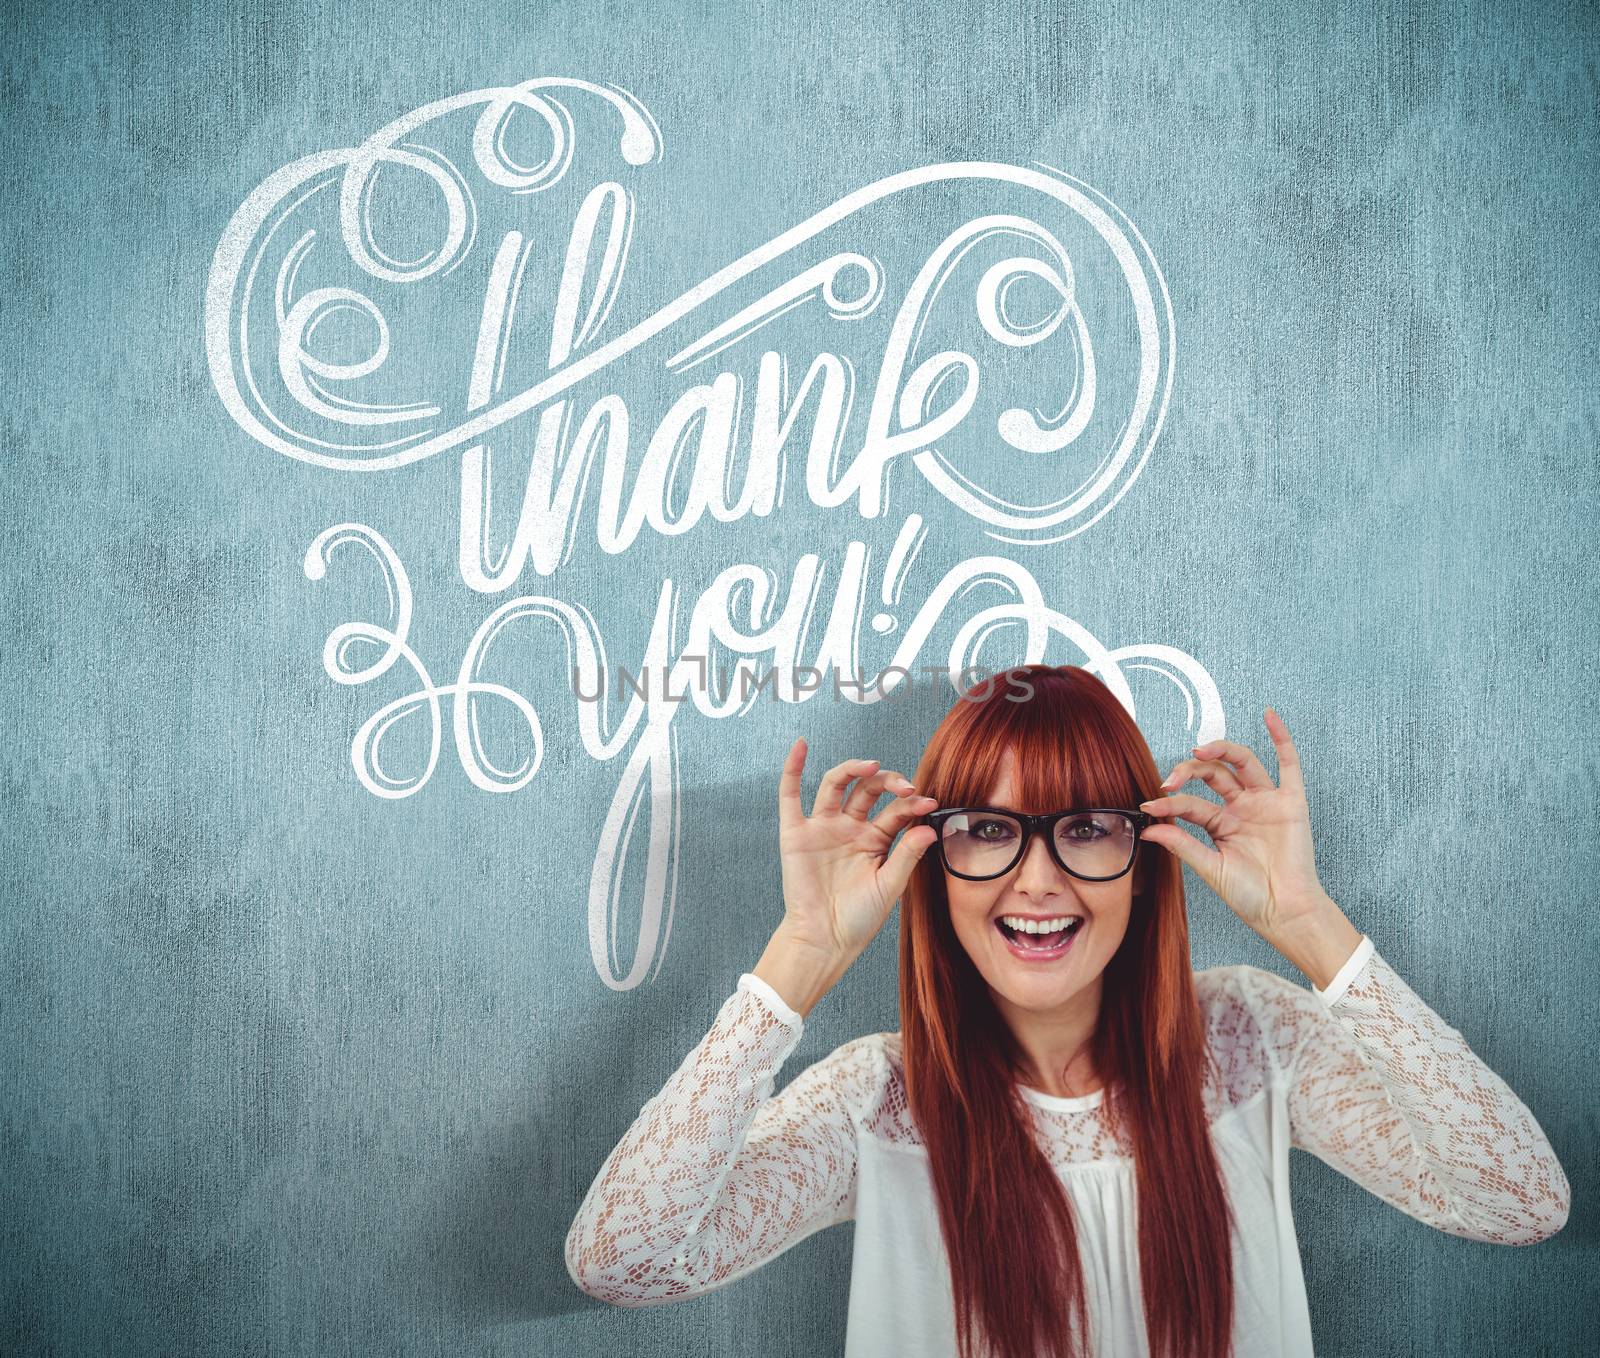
(1075, 1104)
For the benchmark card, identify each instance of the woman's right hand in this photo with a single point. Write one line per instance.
(839, 879)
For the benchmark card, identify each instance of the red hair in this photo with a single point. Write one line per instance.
(1007, 1223)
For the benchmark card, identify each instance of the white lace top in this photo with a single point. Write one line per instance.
(717, 1176)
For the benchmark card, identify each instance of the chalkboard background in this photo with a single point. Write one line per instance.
(294, 1067)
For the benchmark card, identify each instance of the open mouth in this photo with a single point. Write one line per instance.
(1052, 941)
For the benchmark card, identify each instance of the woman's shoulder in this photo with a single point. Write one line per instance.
(868, 1073)
(860, 1067)
(1252, 994)
(1241, 983)
(1250, 1014)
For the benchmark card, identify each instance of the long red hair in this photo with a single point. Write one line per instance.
(1007, 1224)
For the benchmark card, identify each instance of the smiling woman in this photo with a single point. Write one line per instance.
(1111, 1026)
(1079, 1147)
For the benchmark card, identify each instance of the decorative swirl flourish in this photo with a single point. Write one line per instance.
(271, 207)
(466, 692)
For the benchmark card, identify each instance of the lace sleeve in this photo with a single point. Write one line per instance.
(716, 1176)
(1382, 1089)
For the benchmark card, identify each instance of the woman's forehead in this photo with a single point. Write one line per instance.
(1005, 788)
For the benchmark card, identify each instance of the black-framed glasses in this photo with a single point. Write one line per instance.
(1093, 844)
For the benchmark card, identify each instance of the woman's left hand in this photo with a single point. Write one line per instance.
(1262, 865)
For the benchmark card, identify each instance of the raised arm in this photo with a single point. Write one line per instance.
(716, 1176)
(1385, 1091)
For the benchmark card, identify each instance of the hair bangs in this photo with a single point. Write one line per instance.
(1065, 754)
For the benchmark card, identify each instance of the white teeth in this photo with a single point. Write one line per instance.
(1034, 926)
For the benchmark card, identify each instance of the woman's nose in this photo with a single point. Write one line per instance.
(1039, 873)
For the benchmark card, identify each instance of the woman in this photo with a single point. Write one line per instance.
(1075, 1144)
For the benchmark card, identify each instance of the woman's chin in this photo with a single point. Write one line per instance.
(1034, 987)
(1038, 994)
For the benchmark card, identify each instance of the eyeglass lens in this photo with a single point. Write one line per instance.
(1093, 843)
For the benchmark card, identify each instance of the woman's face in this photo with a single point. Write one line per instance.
(1038, 888)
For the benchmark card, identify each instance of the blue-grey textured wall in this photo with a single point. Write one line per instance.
(296, 1068)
